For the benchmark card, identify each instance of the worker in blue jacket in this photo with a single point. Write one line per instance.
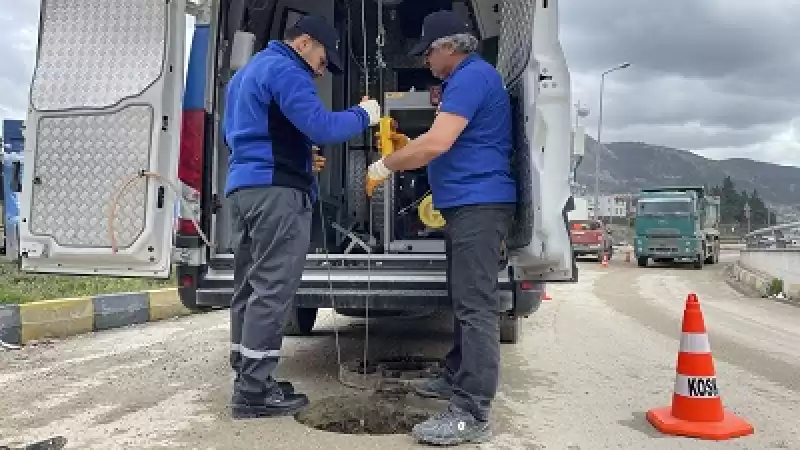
(273, 119)
(468, 152)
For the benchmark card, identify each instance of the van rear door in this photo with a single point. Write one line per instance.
(101, 138)
(532, 62)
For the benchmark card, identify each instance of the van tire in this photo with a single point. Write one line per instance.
(301, 322)
(509, 329)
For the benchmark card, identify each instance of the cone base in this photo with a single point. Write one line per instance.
(731, 426)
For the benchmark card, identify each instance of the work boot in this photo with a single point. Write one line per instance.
(274, 403)
(454, 426)
(437, 387)
(284, 386)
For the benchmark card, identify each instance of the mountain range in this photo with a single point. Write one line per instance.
(626, 167)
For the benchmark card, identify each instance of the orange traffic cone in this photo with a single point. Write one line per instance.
(697, 409)
(604, 262)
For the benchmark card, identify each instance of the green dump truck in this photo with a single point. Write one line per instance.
(677, 224)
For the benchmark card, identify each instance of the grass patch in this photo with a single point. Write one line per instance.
(18, 287)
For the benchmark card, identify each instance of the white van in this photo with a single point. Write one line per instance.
(107, 140)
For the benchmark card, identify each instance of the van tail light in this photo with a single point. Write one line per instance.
(187, 281)
(526, 285)
(190, 162)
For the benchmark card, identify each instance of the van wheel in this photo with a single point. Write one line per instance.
(301, 322)
(509, 329)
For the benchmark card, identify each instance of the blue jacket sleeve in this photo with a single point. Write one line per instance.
(296, 94)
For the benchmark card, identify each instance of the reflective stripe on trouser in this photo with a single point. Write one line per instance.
(272, 230)
(474, 237)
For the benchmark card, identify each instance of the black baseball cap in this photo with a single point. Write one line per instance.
(437, 25)
(319, 29)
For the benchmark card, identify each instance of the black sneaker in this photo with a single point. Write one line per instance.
(274, 404)
(286, 387)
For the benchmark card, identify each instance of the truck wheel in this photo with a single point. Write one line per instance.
(698, 264)
(509, 329)
(301, 322)
(715, 254)
(642, 261)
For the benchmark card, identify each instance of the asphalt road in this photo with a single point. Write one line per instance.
(590, 363)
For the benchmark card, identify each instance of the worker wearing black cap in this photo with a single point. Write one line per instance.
(468, 154)
(273, 120)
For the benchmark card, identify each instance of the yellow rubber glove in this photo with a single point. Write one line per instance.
(377, 173)
(399, 140)
(318, 161)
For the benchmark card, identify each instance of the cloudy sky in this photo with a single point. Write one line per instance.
(720, 77)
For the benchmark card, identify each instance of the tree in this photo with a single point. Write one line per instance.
(733, 204)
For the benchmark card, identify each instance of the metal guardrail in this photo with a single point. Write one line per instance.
(755, 239)
(773, 229)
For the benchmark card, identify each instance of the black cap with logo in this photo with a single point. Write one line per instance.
(438, 25)
(319, 29)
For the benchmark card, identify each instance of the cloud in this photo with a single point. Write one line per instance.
(718, 77)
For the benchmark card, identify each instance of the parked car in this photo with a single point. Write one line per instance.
(590, 238)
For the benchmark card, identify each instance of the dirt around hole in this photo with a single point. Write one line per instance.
(373, 414)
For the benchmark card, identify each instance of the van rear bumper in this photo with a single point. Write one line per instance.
(354, 288)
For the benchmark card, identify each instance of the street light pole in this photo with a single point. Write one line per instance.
(580, 113)
(599, 137)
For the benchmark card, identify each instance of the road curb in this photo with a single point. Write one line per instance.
(759, 282)
(62, 318)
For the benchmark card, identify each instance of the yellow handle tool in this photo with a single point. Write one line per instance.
(385, 129)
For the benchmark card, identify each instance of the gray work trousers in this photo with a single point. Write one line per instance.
(272, 232)
(474, 236)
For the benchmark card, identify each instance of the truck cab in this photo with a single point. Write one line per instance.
(677, 224)
(113, 144)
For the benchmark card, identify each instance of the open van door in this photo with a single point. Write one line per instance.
(102, 135)
(535, 70)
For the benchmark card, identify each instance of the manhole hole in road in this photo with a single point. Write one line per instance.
(372, 414)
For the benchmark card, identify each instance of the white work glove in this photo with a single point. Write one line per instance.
(373, 110)
(377, 173)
